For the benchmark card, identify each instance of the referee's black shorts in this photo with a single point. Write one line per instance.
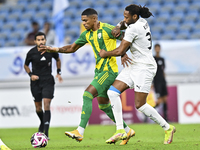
(43, 88)
(160, 89)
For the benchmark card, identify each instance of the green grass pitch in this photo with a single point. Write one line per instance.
(148, 137)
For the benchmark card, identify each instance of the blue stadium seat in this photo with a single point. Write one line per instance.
(3, 35)
(172, 27)
(183, 34)
(186, 26)
(20, 8)
(181, 7)
(73, 31)
(23, 25)
(75, 4)
(103, 3)
(46, 5)
(151, 20)
(111, 11)
(76, 21)
(87, 3)
(139, 2)
(27, 15)
(67, 22)
(196, 27)
(166, 9)
(177, 17)
(5, 8)
(155, 35)
(3, 16)
(107, 19)
(195, 35)
(69, 12)
(32, 6)
(154, 9)
(14, 16)
(168, 35)
(11, 43)
(158, 27)
(164, 17)
(8, 26)
(115, 2)
(192, 16)
(2, 42)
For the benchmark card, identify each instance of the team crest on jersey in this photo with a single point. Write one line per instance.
(99, 35)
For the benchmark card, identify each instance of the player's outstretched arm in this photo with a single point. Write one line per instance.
(65, 49)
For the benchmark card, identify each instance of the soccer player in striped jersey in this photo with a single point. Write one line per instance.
(99, 36)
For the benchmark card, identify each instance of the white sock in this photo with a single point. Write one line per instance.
(81, 130)
(154, 115)
(116, 108)
(127, 129)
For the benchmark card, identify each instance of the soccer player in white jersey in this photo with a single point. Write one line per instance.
(139, 74)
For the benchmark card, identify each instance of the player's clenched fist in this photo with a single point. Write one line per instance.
(102, 53)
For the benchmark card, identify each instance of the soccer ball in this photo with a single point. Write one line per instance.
(38, 140)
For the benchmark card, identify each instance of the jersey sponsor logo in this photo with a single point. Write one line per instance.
(43, 58)
(9, 111)
(99, 35)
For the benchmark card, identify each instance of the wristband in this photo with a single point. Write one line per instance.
(30, 74)
(59, 71)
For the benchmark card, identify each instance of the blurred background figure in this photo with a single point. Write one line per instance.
(31, 35)
(50, 34)
(159, 81)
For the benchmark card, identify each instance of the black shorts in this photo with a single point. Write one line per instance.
(43, 88)
(160, 89)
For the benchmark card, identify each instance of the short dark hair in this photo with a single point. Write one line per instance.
(40, 33)
(138, 10)
(89, 11)
(156, 45)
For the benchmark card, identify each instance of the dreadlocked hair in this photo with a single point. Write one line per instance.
(139, 10)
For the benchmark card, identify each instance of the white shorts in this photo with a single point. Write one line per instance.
(138, 76)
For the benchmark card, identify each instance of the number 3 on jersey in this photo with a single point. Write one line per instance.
(149, 35)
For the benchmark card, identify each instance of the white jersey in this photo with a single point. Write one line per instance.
(140, 36)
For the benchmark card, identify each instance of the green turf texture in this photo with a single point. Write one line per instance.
(148, 137)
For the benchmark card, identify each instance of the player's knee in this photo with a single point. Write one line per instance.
(113, 92)
(139, 104)
(38, 108)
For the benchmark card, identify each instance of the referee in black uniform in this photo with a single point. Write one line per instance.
(159, 81)
(42, 82)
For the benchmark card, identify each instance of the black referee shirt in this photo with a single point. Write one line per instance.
(41, 64)
(160, 69)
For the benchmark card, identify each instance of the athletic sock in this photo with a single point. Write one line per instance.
(86, 108)
(113, 95)
(154, 115)
(81, 130)
(41, 127)
(47, 117)
(107, 108)
(165, 111)
(127, 129)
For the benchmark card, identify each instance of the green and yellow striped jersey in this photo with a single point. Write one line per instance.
(101, 39)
